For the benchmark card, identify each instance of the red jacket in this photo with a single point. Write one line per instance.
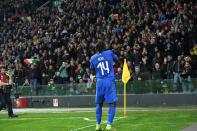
(3, 78)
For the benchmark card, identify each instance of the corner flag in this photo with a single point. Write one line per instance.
(125, 74)
(125, 78)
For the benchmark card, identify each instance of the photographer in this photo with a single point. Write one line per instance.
(6, 85)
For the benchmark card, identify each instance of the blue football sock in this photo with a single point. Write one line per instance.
(98, 113)
(111, 114)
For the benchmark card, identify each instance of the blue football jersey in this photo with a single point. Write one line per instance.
(103, 64)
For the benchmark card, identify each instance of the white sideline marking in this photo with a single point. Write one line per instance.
(82, 128)
(94, 124)
(87, 119)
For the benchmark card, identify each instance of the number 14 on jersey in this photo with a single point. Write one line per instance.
(104, 67)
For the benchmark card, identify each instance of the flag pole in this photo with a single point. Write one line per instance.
(125, 78)
(125, 100)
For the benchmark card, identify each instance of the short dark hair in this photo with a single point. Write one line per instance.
(100, 46)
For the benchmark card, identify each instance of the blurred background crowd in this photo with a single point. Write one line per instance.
(52, 43)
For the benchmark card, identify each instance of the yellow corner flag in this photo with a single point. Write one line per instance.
(125, 74)
(125, 78)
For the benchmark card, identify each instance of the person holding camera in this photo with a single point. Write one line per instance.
(5, 91)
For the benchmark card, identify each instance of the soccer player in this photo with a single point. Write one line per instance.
(102, 63)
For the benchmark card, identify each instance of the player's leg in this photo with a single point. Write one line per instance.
(111, 98)
(1, 101)
(99, 113)
(99, 104)
(98, 116)
(111, 114)
(9, 106)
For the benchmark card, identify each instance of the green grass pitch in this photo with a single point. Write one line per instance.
(85, 121)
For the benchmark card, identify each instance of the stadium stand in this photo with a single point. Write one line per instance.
(54, 44)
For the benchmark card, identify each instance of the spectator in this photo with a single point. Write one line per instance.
(157, 59)
(86, 76)
(137, 74)
(57, 78)
(19, 74)
(145, 68)
(177, 69)
(168, 67)
(45, 79)
(79, 72)
(157, 73)
(26, 83)
(50, 71)
(33, 76)
(118, 76)
(70, 32)
(63, 72)
(193, 53)
(186, 74)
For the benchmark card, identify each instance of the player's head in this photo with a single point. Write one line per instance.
(100, 46)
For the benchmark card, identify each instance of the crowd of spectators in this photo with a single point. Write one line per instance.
(157, 37)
